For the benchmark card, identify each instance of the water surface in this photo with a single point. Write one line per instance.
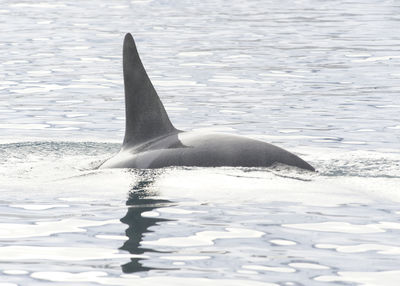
(318, 78)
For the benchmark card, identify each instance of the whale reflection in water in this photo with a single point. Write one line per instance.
(139, 201)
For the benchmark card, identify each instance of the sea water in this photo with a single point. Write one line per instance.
(318, 78)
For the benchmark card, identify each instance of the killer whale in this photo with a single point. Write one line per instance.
(151, 141)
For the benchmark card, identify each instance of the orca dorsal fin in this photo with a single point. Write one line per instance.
(146, 117)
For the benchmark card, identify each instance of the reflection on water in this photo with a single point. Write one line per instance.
(139, 201)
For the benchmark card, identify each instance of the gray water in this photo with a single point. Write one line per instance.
(319, 78)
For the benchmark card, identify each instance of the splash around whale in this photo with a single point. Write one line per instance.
(151, 141)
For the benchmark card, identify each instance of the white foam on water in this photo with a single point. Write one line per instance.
(268, 186)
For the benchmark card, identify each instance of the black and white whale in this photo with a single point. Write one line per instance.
(151, 141)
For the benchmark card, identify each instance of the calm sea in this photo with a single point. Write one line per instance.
(318, 78)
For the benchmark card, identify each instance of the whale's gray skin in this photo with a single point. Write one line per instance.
(151, 141)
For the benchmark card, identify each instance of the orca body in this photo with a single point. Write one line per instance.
(151, 141)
